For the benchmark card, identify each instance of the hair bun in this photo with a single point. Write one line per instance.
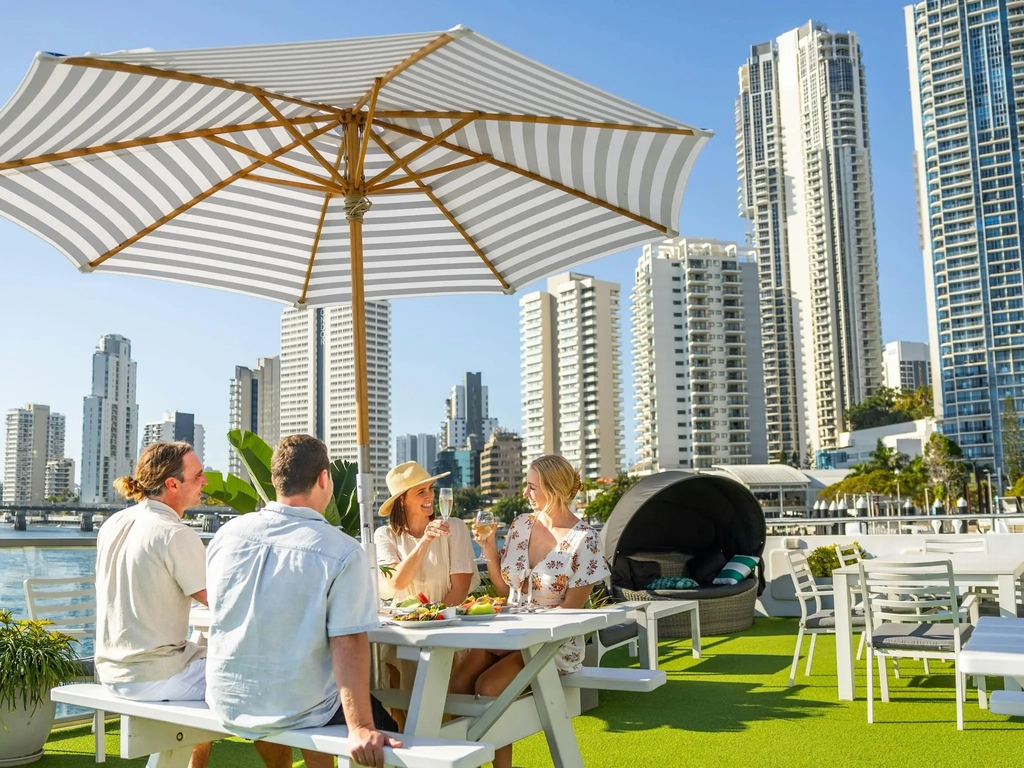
(578, 486)
(130, 488)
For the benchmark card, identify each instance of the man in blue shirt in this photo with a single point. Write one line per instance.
(291, 601)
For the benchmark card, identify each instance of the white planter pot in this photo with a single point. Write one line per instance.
(24, 732)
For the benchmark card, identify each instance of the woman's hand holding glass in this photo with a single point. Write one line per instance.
(484, 530)
(436, 528)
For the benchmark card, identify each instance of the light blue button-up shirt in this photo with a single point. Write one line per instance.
(280, 582)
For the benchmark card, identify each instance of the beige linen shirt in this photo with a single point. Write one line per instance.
(148, 563)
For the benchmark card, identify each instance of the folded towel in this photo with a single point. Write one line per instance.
(672, 582)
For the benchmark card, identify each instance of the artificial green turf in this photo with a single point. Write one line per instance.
(734, 708)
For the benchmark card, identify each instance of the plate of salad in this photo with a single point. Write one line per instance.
(418, 611)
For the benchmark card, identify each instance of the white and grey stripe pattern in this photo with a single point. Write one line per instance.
(150, 201)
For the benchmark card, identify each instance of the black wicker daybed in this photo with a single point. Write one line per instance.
(681, 523)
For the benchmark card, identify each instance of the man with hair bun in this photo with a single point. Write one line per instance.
(149, 568)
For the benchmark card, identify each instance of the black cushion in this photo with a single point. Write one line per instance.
(643, 572)
(925, 637)
(620, 633)
(704, 567)
(827, 619)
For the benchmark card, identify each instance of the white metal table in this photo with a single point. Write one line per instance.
(1003, 572)
(647, 617)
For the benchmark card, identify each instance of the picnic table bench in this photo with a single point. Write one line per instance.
(167, 731)
(996, 649)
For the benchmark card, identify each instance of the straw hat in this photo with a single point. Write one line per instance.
(403, 478)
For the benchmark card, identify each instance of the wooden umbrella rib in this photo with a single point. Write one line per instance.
(404, 64)
(175, 213)
(367, 129)
(385, 185)
(447, 214)
(148, 141)
(299, 137)
(531, 175)
(270, 160)
(399, 191)
(429, 142)
(319, 230)
(539, 119)
(215, 82)
(290, 183)
(198, 199)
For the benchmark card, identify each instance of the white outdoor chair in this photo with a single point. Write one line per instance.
(977, 545)
(939, 631)
(70, 603)
(820, 621)
(849, 554)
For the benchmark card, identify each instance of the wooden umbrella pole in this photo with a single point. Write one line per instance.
(357, 204)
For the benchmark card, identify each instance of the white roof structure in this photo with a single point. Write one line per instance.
(226, 167)
(762, 474)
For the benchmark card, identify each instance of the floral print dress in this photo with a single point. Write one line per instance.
(576, 561)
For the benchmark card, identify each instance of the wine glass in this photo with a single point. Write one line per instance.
(444, 502)
(484, 525)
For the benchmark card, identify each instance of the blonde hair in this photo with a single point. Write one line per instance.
(158, 463)
(557, 479)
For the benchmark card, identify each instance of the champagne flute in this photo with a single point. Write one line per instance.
(484, 524)
(444, 502)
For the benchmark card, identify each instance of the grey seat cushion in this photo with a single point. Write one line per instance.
(620, 633)
(827, 619)
(704, 592)
(925, 637)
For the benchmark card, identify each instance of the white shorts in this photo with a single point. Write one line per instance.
(188, 685)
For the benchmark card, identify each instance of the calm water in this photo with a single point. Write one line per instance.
(18, 563)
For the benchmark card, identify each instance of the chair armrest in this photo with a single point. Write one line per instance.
(970, 607)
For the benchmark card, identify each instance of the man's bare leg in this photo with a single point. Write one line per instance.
(317, 759)
(280, 756)
(274, 755)
(200, 755)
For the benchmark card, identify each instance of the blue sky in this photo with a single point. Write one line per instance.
(679, 58)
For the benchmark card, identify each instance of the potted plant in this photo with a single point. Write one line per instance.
(33, 659)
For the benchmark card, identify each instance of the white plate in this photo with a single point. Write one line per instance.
(478, 616)
(424, 624)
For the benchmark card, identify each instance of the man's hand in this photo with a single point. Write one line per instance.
(366, 746)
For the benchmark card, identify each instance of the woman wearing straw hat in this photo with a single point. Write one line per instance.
(428, 556)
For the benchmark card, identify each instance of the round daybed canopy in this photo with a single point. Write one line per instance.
(686, 524)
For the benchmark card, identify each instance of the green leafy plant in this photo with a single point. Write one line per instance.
(256, 457)
(823, 560)
(598, 598)
(33, 659)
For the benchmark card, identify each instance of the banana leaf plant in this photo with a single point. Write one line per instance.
(256, 455)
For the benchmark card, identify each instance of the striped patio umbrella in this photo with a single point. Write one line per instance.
(328, 172)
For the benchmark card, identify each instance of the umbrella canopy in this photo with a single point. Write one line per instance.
(227, 167)
(254, 170)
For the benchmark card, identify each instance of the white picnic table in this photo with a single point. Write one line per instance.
(996, 648)
(977, 569)
(509, 717)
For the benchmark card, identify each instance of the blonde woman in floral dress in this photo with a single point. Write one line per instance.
(550, 559)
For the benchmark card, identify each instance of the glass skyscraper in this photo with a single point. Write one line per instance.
(967, 87)
(803, 152)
